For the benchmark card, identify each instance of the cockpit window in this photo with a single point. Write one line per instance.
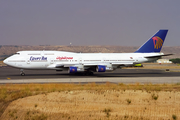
(17, 54)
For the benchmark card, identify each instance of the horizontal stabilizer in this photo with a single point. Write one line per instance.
(155, 56)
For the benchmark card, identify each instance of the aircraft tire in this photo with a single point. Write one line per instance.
(91, 73)
(22, 74)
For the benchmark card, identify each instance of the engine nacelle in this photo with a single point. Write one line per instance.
(101, 68)
(72, 69)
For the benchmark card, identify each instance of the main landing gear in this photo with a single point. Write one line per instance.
(22, 72)
(88, 73)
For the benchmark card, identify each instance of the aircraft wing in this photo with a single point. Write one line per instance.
(90, 64)
(105, 64)
(123, 63)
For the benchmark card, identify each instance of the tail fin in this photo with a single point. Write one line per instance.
(154, 44)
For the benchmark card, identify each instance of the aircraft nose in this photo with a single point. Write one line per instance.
(5, 61)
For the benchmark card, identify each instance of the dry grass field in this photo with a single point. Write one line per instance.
(90, 101)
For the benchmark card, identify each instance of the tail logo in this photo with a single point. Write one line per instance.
(158, 42)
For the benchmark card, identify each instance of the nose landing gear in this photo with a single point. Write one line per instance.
(22, 72)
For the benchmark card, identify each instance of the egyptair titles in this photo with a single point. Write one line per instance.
(38, 58)
(64, 58)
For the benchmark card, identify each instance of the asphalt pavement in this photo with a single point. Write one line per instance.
(12, 75)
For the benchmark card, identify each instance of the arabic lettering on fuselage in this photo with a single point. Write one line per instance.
(64, 58)
(37, 58)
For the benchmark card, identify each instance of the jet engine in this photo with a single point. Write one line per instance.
(102, 68)
(74, 69)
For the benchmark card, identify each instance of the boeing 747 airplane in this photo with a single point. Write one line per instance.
(87, 62)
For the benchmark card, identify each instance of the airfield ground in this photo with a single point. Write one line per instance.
(90, 101)
(105, 101)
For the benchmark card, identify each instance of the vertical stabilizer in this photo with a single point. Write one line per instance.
(154, 44)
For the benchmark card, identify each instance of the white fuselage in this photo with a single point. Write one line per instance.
(56, 59)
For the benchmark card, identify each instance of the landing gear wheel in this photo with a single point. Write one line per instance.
(91, 73)
(88, 73)
(22, 74)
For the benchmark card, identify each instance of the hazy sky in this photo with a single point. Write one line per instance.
(88, 22)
